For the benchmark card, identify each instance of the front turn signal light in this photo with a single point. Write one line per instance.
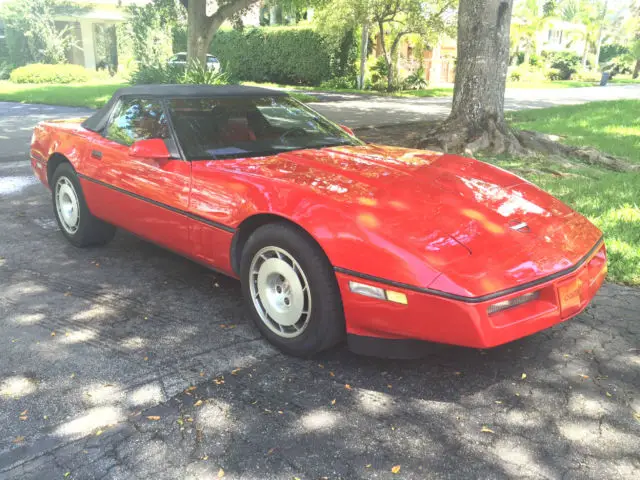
(512, 302)
(377, 292)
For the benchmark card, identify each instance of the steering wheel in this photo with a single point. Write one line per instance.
(295, 131)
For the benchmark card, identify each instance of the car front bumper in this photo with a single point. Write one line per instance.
(383, 328)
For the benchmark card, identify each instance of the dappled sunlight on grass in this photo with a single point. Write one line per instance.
(612, 127)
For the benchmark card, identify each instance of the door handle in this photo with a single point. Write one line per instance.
(97, 154)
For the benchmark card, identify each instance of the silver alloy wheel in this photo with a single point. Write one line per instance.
(280, 292)
(67, 205)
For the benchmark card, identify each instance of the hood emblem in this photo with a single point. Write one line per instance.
(519, 226)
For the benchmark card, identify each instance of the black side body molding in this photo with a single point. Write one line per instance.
(198, 218)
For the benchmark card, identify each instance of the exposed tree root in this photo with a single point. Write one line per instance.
(456, 136)
(549, 145)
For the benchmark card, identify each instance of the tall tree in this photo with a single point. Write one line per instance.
(201, 27)
(477, 119)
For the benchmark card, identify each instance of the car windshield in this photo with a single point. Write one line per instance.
(234, 127)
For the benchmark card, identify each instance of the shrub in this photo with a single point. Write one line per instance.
(157, 73)
(584, 75)
(172, 74)
(47, 73)
(5, 70)
(339, 82)
(281, 55)
(379, 71)
(292, 55)
(554, 74)
(199, 74)
(526, 73)
(619, 65)
(612, 50)
(417, 80)
(566, 63)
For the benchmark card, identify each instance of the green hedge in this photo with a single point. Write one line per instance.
(45, 73)
(290, 55)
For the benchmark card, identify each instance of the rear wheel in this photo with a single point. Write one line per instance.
(291, 290)
(77, 223)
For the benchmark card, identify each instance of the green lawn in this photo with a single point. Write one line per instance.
(613, 127)
(611, 200)
(92, 95)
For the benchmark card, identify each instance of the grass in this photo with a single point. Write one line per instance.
(91, 95)
(611, 200)
(612, 127)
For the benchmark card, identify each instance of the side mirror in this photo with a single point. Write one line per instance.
(152, 148)
(348, 130)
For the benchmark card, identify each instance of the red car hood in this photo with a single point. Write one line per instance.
(483, 228)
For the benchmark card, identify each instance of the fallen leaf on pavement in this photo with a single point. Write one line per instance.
(23, 417)
(235, 372)
(206, 457)
(271, 450)
(395, 469)
(18, 439)
(333, 402)
(331, 374)
(202, 374)
(585, 376)
(368, 465)
(486, 429)
(608, 394)
(220, 473)
(67, 474)
(25, 412)
(498, 402)
(198, 403)
(98, 433)
(53, 334)
(153, 417)
(524, 375)
(347, 386)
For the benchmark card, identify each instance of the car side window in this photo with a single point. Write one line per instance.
(137, 119)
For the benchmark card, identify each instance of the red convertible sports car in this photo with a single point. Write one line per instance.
(330, 237)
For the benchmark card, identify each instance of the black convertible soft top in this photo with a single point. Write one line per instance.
(98, 120)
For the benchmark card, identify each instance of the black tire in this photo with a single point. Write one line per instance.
(90, 230)
(326, 326)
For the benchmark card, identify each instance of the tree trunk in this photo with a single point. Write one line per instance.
(364, 49)
(476, 121)
(201, 28)
(585, 52)
(197, 31)
(385, 54)
(636, 70)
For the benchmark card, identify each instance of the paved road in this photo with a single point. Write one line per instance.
(106, 353)
(359, 111)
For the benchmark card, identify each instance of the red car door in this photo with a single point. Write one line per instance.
(148, 197)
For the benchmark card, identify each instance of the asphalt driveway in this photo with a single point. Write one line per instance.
(127, 361)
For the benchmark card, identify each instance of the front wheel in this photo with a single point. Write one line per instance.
(291, 290)
(75, 220)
